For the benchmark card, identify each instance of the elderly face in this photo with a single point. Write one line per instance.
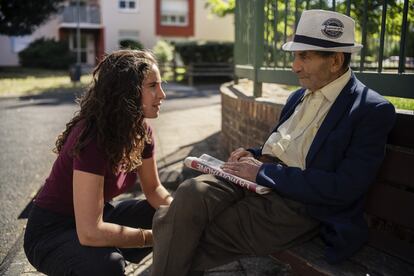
(314, 71)
(152, 93)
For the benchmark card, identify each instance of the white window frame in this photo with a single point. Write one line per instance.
(169, 22)
(174, 10)
(127, 9)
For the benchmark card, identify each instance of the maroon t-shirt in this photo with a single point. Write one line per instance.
(57, 193)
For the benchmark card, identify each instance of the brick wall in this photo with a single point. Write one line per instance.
(246, 121)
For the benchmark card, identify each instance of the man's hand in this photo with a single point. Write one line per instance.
(239, 153)
(246, 167)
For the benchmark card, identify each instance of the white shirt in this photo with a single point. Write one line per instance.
(292, 140)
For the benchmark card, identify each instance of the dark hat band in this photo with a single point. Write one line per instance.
(319, 42)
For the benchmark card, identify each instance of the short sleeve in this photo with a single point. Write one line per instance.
(149, 148)
(91, 159)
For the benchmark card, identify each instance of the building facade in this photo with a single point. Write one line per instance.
(104, 23)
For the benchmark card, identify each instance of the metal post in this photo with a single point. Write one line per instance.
(296, 13)
(401, 60)
(78, 42)
(382, 36)
(285, 30)
(258, 45)
(348, 7)
(275, 21)
(174, 62)
(364, 37)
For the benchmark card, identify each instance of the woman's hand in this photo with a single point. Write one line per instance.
(246, 167)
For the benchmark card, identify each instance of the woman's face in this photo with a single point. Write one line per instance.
(152, 93)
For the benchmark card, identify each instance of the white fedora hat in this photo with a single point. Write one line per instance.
(320, 30)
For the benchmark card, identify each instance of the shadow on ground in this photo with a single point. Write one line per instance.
(50, 97)
(68, 95)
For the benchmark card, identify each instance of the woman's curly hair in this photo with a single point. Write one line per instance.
(111, 109)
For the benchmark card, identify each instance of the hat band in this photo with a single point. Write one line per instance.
(319, 42)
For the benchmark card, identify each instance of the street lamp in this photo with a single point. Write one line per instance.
(78, 42)
(75, 71)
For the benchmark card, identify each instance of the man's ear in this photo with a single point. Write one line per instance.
(338, 60)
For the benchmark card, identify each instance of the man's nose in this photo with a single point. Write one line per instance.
(296, 67)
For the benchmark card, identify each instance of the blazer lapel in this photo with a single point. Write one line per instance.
(334, 115)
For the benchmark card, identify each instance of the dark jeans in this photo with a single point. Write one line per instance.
(52, 245)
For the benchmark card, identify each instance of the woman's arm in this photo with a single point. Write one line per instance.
(155, 193)
(88, 200)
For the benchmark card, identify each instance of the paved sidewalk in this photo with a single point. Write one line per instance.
(178, 134)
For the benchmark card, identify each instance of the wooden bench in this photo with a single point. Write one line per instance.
(390, 215)
(209, 69)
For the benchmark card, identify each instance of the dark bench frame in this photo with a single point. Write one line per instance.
(209, 69)
(390, 214)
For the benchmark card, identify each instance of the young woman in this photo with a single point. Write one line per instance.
(74, 228)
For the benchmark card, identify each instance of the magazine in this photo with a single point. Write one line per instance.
(210, 165)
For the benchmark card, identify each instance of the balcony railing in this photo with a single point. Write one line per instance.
(88, 14)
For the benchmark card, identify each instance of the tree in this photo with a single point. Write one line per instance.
(21, 17)
(220, 7)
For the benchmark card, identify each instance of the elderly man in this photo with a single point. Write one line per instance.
(324, 153)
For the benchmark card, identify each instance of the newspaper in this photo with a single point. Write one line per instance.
(210, 165)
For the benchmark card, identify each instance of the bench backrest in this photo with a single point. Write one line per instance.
(211, 67)
(390, 204)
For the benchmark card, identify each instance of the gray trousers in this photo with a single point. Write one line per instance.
(212, 222)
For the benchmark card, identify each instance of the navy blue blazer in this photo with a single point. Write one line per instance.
(342, 162)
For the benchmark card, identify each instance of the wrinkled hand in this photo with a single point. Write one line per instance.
(246, 167)
(239, 153)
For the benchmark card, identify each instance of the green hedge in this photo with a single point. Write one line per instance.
(194, 52)
(130, 44)
(47, 53)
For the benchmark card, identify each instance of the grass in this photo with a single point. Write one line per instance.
(402, 103)
(16, 81)
(23, 81)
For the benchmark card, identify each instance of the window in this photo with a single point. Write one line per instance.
(174, 12)
(127, 5)
(128, 34)
(73, 46)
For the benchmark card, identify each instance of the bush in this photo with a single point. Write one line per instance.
(131, 44)
(192, 52)
(47, 53)
(163, 51)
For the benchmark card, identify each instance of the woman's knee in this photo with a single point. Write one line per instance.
(114, 265)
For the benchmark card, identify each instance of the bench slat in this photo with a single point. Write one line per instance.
(368, 260)
(211, 64)
(213, 69)
(393, 246)
(395, 167)
(391, 204)
(210, 73)
(312, 254)
(403, 132)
